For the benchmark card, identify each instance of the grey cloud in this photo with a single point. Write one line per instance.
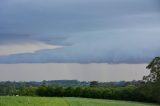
(110, 31)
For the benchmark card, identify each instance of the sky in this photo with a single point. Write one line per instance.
(111, 32)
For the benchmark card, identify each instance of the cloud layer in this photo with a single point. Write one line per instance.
(29, 47)
(91, 31)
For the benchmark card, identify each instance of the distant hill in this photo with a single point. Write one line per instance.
(65, 83)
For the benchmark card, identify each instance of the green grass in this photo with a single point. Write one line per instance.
(32, 101)
(46, 101)
(99, 102)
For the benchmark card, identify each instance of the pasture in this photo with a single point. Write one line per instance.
(66, 101)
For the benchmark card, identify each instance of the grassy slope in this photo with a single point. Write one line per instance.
(98, 102)
(43, 101)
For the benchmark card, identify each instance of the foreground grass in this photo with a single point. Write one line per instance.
(32, 101)
(99, 102)
(46, 101)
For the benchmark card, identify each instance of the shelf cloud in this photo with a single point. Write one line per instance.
(86, 31)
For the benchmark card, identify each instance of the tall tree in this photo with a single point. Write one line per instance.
(152, 88)
(154, 68)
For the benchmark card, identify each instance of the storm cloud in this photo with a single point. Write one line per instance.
(90, 31)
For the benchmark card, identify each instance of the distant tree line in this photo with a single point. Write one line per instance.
(130, 92)
(119, 93)
(139, 92)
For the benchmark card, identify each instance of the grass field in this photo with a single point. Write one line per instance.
(46, 101)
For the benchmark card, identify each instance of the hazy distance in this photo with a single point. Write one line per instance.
(82, 72)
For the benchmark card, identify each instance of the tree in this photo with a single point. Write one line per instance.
(152, 87)
(154, 68)
(93, 83)
(41, 91)
(44, 83)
